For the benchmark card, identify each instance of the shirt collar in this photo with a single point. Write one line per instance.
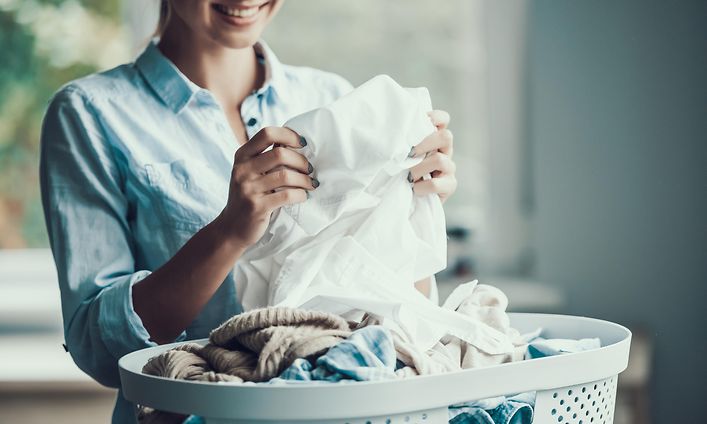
(275, 78)
(170, 85)
(176, 90)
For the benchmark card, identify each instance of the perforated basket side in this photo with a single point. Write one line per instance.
(589, 403)
(431, 416)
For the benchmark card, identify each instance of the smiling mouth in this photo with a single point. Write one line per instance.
(238, 12)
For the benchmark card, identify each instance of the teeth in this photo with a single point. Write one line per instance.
(241, 13)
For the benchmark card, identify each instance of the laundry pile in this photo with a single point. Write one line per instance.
(259, 345)
(279, 344)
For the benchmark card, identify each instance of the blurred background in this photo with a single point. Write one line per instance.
(580, 139)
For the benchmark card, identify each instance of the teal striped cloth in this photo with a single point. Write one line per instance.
(368, 354)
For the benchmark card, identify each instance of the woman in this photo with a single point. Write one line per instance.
(144, 222)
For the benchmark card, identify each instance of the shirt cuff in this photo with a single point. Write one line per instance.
(120, 326)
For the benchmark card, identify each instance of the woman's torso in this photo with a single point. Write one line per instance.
(174, 149)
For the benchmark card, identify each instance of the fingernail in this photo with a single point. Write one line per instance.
(302, 141)
(412, 152)
(410, 177)
(310, 168)
(315, 182)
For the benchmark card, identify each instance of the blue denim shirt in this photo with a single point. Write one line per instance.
(134, 161)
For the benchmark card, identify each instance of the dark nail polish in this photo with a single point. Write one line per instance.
(412, 152)
(315, 182)
(310, 168)
(410, 177)
(302, 141)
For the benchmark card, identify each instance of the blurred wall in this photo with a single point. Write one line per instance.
(617, 118)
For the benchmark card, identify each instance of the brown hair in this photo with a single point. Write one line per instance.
(164, 17)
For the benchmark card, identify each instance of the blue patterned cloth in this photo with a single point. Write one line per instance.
(514, 410)
(194, 419)
(368, 354)
(540, 347)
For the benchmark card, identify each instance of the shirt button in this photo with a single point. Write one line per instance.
(251, 122)
(260, 95)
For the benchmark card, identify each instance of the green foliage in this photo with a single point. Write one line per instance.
(27, 81)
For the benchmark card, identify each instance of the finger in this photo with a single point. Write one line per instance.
(265, 138)
(280, 156)
(440, 119)
(283, 178)
(284, 197)
(436, 161)
(442, 186)
(441, 140)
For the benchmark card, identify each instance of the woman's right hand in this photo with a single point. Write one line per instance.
(264, 181)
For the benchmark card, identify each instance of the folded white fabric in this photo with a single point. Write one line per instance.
(362, 239)
(481, 302)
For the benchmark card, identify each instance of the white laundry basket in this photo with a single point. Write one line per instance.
(578, 388)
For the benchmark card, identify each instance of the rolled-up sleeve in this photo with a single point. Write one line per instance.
(86, 214)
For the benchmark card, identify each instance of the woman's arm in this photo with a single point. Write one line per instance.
(424, 286)
(86, 212)
(86, 217)
(173, 295)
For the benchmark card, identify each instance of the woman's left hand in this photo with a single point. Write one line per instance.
(437, 150)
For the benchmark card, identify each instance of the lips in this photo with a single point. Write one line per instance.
(242, 10)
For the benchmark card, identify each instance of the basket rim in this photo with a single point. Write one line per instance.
(249, 401)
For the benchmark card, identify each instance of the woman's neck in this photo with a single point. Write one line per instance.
(230, 74)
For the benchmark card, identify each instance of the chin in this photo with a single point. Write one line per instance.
(240, 41)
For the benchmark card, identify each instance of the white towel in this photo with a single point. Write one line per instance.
(362, 239)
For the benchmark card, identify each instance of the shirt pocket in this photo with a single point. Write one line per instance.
(186, 194)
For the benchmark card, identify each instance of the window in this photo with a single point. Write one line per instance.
(44, 44)
(466, 52)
